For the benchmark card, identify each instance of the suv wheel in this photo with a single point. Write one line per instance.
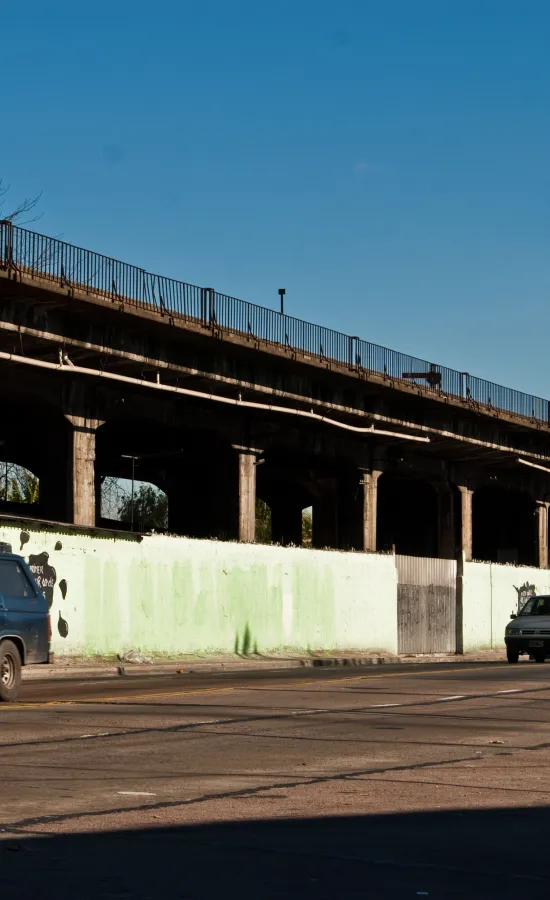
(512, 655)
(539, 657)
(10, 671)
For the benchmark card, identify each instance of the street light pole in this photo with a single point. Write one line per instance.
(133, 458)
(282, 293)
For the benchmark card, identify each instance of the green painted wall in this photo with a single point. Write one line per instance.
(174, 595)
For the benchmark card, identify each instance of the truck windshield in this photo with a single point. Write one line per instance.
(536, 606)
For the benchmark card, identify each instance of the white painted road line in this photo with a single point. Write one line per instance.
(136, 794)
(511, 691)
(456, 697)
(384, 705)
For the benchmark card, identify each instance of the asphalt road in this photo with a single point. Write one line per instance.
(396, 782)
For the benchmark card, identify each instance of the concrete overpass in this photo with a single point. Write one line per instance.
(223, 401)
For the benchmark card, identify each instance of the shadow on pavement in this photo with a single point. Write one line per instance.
(464, 854)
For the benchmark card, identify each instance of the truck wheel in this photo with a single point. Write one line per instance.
(10, 671)
(539, 657)
(512, 655)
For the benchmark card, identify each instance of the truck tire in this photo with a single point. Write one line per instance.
(512, 655)
(10, 671)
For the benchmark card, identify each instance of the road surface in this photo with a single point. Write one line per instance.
(396, 782)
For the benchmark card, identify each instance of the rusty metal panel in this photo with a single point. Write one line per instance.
(426, 605)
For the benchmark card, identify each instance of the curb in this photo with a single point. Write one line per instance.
(55, 672)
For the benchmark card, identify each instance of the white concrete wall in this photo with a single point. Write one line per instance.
(490, 594)
(174, 595)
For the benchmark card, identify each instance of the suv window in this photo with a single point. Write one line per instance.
(13, 581)
(536, 606)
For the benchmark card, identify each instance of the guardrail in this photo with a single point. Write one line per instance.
(62, 263)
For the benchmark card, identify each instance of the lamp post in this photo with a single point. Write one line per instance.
(133, 458)
(282, 293)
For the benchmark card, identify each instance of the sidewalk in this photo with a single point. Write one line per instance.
(85, 668)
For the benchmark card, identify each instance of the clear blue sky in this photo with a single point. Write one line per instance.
(387, 162)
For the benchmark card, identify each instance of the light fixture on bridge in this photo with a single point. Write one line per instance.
(282, 292)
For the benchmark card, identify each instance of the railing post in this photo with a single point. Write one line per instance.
(203, 305)
(6, 243)
(211, 306)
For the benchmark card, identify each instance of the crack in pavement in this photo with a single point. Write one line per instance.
(239, 720)
(225, 795)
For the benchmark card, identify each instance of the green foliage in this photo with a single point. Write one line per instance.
(18, 485)
(263, 522)
(150, 509)
(307, 527)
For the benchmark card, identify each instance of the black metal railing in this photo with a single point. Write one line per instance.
(48, 258)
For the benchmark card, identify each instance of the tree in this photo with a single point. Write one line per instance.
(307, 527)
(150, 509)
(22, 209)
(263, 522)
(17, 484)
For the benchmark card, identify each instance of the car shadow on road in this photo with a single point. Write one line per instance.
(452, 854)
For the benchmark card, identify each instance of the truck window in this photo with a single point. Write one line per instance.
(13, 581)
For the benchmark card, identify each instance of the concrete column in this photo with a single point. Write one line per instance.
(247, 492)
(446, 540)
(82, 470)
(466, 537)
(369, 482)
(542, 533)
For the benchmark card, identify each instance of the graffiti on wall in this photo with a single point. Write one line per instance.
(523, 593)
(46, 578)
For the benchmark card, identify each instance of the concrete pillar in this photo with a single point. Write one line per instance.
(542, 533)
(286, 523)
(466, 537)
(248, 457)
(369, 482)
(446, 539)
(82, 470)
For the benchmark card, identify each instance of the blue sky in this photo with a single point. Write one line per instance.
(386, 162)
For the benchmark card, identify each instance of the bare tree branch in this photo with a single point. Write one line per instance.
(22, 209)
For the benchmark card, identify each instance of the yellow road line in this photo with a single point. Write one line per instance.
(241, 688)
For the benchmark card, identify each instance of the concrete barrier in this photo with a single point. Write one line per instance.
(173, 595)
(490, 593)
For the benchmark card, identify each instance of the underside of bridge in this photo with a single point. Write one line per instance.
(92, 393)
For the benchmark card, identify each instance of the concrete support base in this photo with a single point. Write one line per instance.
(542, 533)
(248, 458)
(369, 483)
(466, 531)
(82, 470)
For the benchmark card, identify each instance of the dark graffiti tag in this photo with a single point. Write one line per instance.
(45, 575)
(46, 579)
(524, 592)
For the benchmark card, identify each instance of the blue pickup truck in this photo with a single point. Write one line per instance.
(25, 629)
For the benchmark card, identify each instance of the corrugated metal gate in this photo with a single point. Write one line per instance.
(426, 605)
